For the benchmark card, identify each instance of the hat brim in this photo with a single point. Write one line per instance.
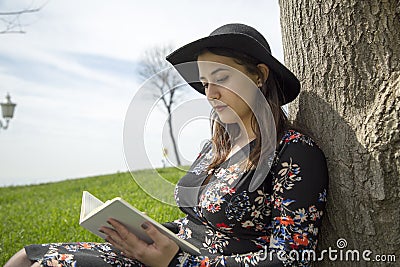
(239, 42)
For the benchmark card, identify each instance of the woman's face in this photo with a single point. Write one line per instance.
(228, 86)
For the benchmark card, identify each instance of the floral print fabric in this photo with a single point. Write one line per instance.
(236, 227)
(231, 225)
(78, 254)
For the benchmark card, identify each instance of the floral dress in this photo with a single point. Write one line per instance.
(275, 225)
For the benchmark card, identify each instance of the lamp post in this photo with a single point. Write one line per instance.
(7, 108)
(165, 156)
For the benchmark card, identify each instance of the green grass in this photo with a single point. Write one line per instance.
(50, 212)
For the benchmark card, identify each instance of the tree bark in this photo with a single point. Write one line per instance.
(346, 55)
(171, 134)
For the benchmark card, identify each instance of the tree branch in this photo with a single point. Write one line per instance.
(11, 19)
(9, 31)
(14, 13)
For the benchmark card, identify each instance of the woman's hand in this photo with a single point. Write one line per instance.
(157, 254)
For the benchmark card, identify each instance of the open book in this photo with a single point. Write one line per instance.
(94, 214)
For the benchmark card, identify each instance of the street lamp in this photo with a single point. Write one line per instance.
(7, 108)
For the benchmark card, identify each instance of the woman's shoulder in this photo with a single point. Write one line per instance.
(206, 148)
(295, 136)
(294, 140)
(300, 150)
(204, 156)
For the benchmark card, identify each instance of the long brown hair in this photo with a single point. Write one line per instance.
(222, 134)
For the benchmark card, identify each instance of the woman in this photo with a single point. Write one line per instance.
(256, 193)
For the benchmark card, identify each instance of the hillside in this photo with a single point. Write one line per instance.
(50, 212)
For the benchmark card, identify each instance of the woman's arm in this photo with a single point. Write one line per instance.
(299, 196)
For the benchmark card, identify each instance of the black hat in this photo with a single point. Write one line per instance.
(241, 38)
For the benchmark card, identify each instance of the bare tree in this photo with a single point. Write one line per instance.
(346, 55)
(10, 22)
(165, 81)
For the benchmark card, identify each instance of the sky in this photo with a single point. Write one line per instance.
(74, 75)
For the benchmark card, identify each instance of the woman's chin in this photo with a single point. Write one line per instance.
(228, 120)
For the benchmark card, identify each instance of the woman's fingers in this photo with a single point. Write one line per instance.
(162, 243)
(115, 243)
(122, 239)
(155, 234)
(121, 230)
(119, 233)
(156, 254)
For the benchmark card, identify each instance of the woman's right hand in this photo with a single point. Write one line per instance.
(158, 254)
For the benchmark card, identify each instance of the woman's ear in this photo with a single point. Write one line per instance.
(265, 72)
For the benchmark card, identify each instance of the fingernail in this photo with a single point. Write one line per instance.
(145, 225)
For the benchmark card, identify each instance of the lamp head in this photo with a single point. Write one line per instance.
(7, 108)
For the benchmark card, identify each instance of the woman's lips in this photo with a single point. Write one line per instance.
(220, 108)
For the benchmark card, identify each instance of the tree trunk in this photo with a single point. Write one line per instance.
(171, 134)
(346, 55)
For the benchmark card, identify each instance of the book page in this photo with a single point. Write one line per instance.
(89, 203)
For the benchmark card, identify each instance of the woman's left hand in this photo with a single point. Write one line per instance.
(157, 254)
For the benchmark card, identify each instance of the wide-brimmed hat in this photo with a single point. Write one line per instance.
(239, 37)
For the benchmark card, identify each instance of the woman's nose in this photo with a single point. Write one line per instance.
(212, 91)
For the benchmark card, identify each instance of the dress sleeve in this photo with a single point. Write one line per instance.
(298, 198)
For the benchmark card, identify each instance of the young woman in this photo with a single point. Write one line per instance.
(256, 193)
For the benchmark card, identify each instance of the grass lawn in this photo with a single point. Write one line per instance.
(50, 212)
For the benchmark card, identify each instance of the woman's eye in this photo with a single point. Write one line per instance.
(217, 81)
(222, 79)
